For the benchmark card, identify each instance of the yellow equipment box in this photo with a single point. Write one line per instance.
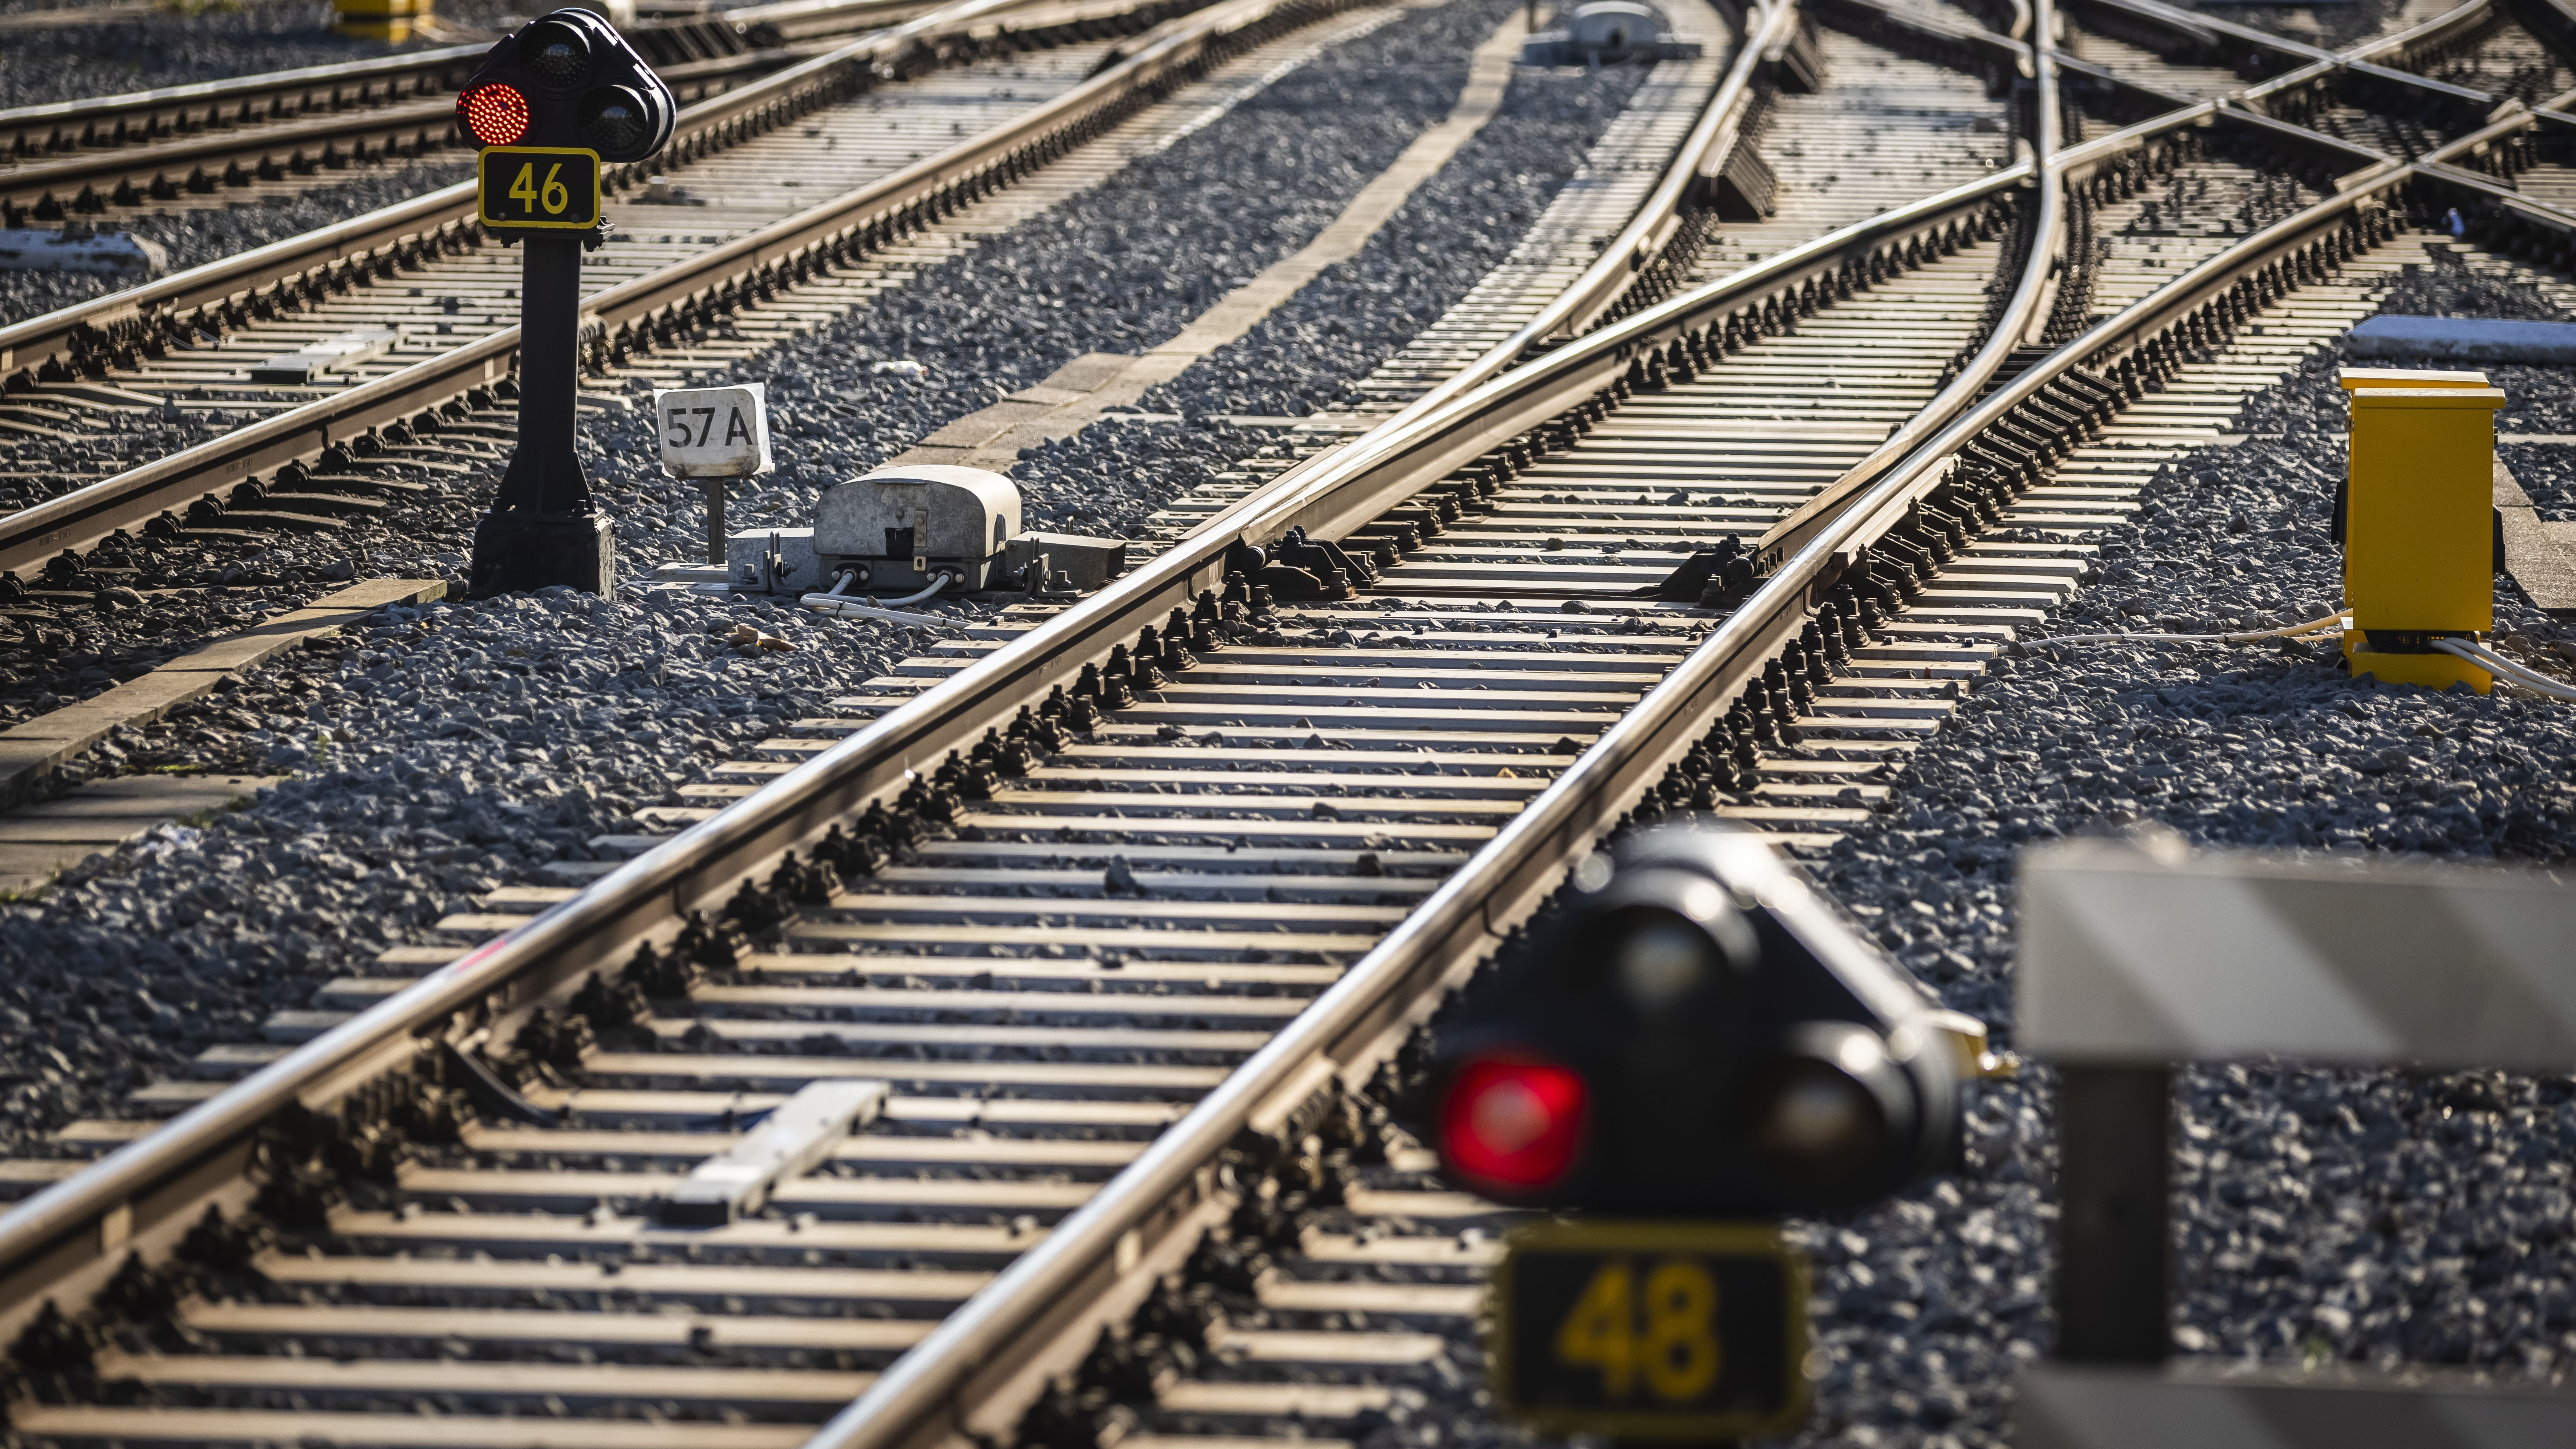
(2418, 526)
(393, 21)
(2360, 377)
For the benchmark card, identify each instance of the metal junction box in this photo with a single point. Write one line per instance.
(901, 525)
(774, 561)
(1607, 32)
(2419, 523)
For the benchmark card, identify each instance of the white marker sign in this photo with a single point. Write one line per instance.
(714, 432)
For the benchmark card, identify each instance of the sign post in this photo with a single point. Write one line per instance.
(712, 434)
(550, 107)
(2139, 953)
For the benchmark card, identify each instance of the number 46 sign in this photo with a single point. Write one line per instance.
(537, 188)
(1652, 1330)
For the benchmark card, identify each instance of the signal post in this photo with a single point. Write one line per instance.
(550, 108)
(1698, 1047)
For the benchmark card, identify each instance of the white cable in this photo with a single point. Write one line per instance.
(2287, 631)
(835, 603)
(2511, 669)
(2468, 649)
(936, 584)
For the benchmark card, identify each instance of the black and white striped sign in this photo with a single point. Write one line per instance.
(2141, 950)
(2059, 1407)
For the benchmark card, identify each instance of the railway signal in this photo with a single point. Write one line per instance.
(1698, 1033)
(550, 109)
(1699, 1043)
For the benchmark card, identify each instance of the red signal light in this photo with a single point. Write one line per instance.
(1515, 1122)
(497, 114)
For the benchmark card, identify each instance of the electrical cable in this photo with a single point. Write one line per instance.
(2286, 631)
(2512, 670)
(937, 582)
(2476, 653)
(837, 603)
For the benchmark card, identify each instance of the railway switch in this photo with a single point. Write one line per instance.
(550, 109)
(2418, 523)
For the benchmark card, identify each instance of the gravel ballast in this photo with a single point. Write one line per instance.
(2323, 1217)
(140, 53)
(1303, 358)
(1130, 263)
(443, 750)
(2353, 1216)
(458, 747)
(1169, 235)
(2326, 1216)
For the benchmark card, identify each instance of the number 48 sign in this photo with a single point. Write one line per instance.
(714, 432)
(1652, 1330)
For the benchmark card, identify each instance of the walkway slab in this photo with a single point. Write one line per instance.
(38, 841)
(38, 746)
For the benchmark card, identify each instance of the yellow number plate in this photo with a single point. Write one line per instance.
(1652, 1330)
(541, 188)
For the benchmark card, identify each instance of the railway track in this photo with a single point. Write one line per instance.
(420, 276)
(1124, 925)
(255, 137)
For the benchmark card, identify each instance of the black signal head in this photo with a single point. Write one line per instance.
(1698, 1031)
(569, 80)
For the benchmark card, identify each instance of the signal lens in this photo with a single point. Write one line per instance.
(556, 54)
(1829, 1106)
(614, 121)
(1515, 1122)
(497, 114)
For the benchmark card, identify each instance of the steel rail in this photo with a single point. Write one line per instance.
(54, 344)
(1361, 479)
(1345, 1031)
(2000, 49)
(431, 122)
(1703, 153)
(929, 1393)
(2463, 154)
(1398, 454)
(145, 1185)
(1811, 517)
(1626, 256)
(87, 116)
(792, 20)
(138, 1188)
(792, 247)
(926, 1395)
(2498, 206)
(230, 100)
(2316, 63)
(2553, 20)
(2362, 163)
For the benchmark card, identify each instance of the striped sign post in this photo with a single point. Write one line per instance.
(2139, 952)
(2071, 1408)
